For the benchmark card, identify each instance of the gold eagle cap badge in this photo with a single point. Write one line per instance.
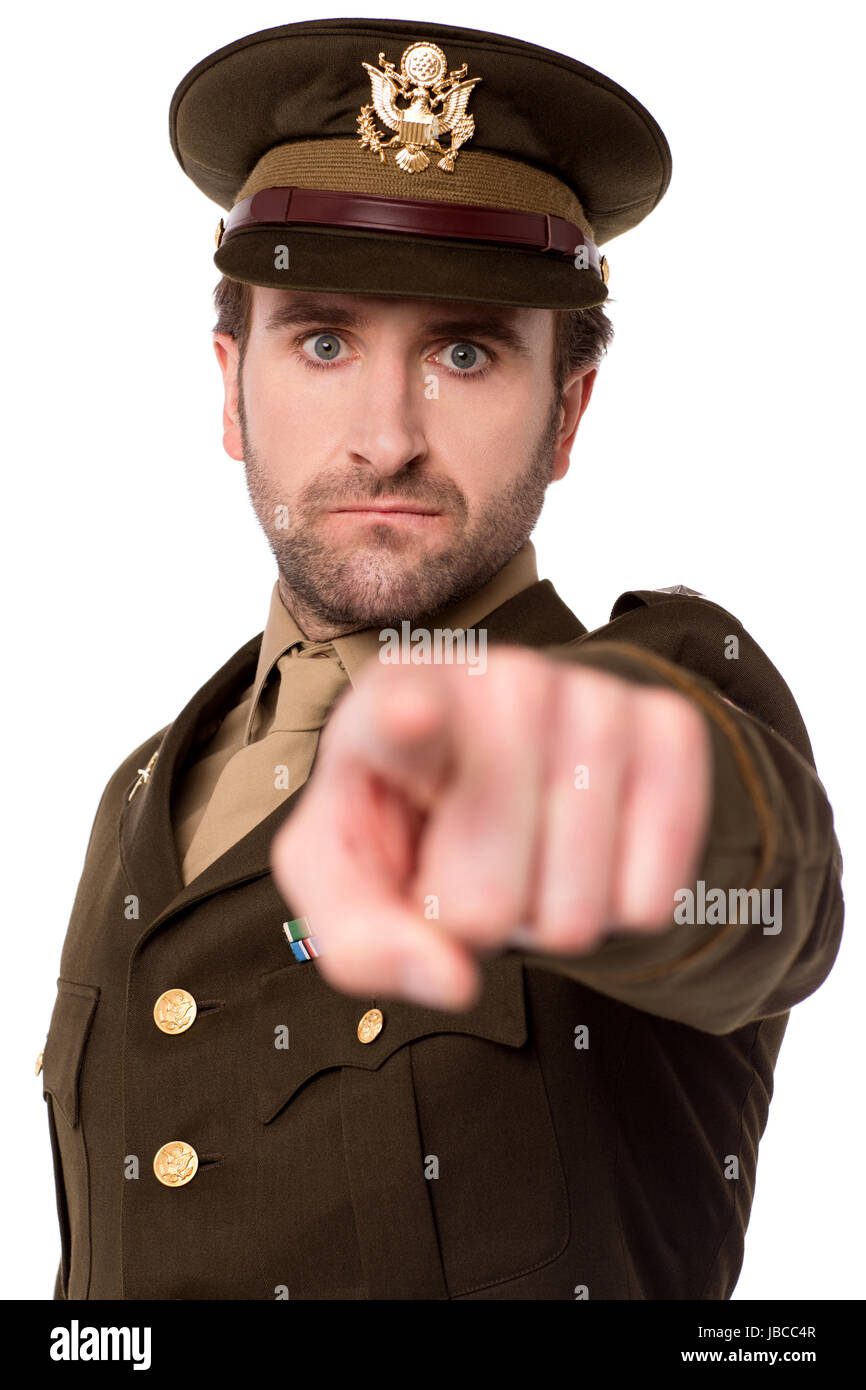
(437, 106)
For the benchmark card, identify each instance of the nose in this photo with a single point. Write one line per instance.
(386, 432)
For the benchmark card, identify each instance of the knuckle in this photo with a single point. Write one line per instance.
(674, 738)
(570, 925)
(520, 681)
(676, 719)
(518, 661)
(598, 710)
(483, 912)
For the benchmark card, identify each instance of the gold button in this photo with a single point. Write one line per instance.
(605, 269)
(370, 1026)
(174, 1011)
(39, 1063)
(221, 226)
(175, 1163)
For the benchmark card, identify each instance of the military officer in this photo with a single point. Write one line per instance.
(440, 948)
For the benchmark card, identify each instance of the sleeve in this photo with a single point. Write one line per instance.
(770, 936)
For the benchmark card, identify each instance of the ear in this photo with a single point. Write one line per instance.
(226, 349)
(576, 392)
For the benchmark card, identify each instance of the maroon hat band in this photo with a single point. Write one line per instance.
(534, 231)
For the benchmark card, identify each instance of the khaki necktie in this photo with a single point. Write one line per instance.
(264, 772)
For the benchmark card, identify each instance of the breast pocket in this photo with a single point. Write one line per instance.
(62, 1061)
(448, 1140)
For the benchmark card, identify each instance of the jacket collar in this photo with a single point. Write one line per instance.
(535, 617)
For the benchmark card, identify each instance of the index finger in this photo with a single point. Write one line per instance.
(398, 727)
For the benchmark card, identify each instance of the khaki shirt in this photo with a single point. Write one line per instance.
(252, 717)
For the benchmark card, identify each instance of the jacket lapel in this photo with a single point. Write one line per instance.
(147, 846)
(536, 617)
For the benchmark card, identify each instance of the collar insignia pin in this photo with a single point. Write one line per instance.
(143, 776)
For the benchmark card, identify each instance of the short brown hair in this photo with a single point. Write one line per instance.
(582, 336)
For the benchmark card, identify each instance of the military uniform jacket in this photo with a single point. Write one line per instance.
(571, 1135)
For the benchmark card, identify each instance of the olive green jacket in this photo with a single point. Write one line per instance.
(589, 1129)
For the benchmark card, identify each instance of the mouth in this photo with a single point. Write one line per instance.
(404, 517)
(387, 509)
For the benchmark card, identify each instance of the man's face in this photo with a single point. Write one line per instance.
(397, 451)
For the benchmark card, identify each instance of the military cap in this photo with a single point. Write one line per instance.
(369, 156)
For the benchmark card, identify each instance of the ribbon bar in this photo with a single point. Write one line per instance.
(304, 945)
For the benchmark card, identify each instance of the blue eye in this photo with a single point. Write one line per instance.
(327, 347)
(463, 355)
(327, 350)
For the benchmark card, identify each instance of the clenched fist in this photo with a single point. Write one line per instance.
(451, 815)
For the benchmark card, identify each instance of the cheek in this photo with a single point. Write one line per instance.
(283, 416)
(497, 426)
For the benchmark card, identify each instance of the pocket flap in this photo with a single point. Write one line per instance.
(64, 1046)
(320, 1025)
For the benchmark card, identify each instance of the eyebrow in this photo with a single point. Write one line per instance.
(295, 313)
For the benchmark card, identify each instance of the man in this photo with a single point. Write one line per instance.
(478, 993)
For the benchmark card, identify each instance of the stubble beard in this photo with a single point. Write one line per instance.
(383, 581)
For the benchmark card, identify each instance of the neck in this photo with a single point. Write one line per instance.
(314, 628)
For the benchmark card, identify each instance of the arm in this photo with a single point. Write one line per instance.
(454, 829)
(771, 830)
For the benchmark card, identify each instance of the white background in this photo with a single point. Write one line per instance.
(722, 450)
